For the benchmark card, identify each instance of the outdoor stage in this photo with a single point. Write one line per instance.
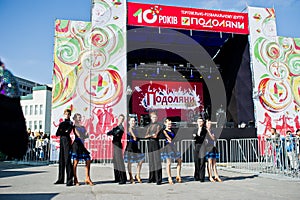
(135, 58)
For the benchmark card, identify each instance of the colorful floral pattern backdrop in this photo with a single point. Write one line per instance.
(89, 74)
(276, 74)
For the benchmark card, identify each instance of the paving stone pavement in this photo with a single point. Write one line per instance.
(24, 182)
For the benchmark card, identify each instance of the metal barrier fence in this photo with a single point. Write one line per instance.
(41, 153)
(38, 152)
(276, 156)
(280, 156)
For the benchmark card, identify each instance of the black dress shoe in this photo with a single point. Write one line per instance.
(122, 182)
(69, 184)
(158, 183)
(58, 182)
(201, 181)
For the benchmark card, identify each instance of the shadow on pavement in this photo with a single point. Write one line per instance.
(44, 196)
(226, 178)
(7, 169)
(5, 174)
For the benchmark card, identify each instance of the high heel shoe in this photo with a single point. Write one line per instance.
(218, 179)
(178, 179)
(170, 181)
(211, 179)
(76, 182)
(138, 178)
(132, 181)
(89, 182)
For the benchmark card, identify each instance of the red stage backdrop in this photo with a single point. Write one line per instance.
(187, 18)
(167, 98)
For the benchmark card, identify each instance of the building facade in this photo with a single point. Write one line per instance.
(37, 109)
(26, 86)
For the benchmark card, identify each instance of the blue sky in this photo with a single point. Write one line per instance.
(27, 27)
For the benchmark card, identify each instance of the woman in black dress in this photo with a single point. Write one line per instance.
(132, 152)
(79, 152)
(212, 154)
(170, 152)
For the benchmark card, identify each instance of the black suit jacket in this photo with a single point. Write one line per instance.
(199, 139)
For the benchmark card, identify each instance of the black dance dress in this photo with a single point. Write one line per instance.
(212, 150)
(79, 152)
(170, 150)
(132, 152)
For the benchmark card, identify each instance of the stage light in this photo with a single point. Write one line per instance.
(218, 77)
(209, 76)
(135, 66)
(174, 68)
(157, 70)
(165, 75)
(191, 76)
(133, 73)
(201, 77)
(153, 74)
(146, 75)
(242, 125)
(183, 76)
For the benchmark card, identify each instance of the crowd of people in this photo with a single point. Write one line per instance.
(285, 148)
(205, 149)
(38, 146)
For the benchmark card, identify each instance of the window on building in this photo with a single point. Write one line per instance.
(35, 109)
(40, 125)
(30, 110)
(35, 125)
(41, 109)
(26, 110)
(30, 125)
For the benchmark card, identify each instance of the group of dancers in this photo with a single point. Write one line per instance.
(204, 149)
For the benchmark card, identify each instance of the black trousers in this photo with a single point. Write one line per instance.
(199, 159)
(64, 162)
(155, 168)
(118, 162)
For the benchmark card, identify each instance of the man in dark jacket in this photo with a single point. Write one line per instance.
(64, 163)
(199, 135)
(118, 161)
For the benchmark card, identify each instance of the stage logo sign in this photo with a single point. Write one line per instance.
(187, 18)
(166, 99)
